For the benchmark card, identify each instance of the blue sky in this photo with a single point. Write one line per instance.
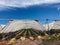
(29, 10)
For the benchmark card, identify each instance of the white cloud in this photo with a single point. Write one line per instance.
(24, 3)
(58, 8)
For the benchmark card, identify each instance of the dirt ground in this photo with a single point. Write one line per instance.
(51, 42)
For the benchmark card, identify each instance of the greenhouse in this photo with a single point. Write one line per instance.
(56, 27)
(26, 28)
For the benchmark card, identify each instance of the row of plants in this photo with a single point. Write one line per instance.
(51, 35)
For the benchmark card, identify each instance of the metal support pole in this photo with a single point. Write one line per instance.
(48, 26)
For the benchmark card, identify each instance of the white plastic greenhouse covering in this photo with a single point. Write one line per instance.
(16, 25)
(0, 28)
(49, 24)
(56, 25)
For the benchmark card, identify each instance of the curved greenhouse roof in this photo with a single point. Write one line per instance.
(16, 25)
(49, 25)
(0, 28)
(56, 25)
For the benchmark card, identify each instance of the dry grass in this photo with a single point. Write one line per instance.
(32, 42)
